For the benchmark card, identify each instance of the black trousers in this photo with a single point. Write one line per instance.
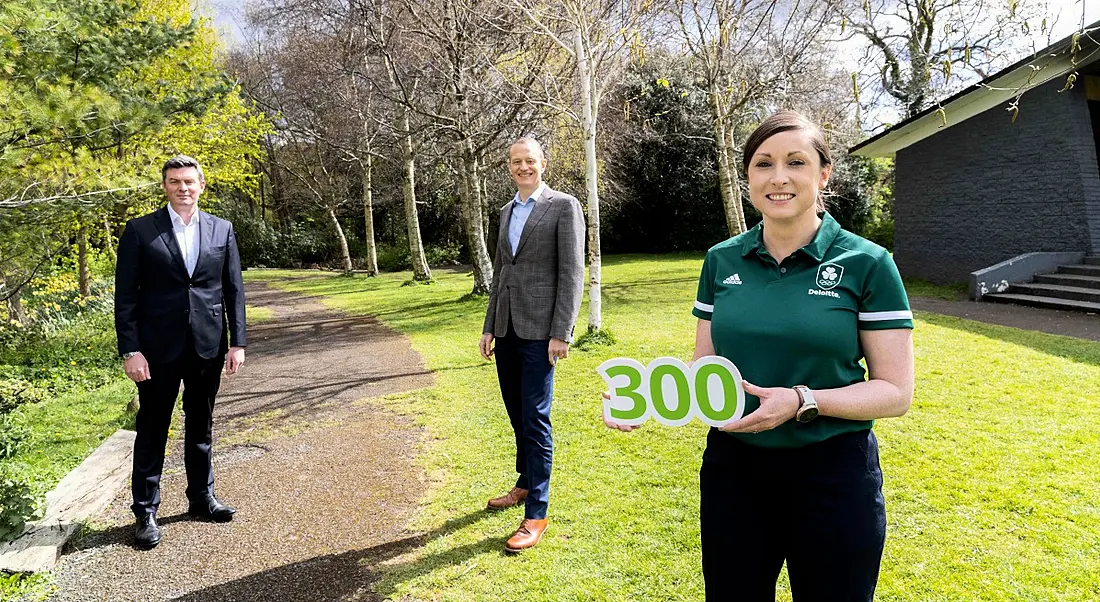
(201, 379)
(819, 507)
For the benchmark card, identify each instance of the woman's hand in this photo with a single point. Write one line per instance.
(626, 428)
(777, 405)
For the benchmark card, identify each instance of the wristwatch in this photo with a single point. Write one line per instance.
(129, 354)
(807, 405)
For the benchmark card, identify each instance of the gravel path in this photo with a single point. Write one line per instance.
(323, 480)
(1052, 321)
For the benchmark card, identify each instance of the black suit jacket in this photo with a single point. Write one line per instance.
(156, 301)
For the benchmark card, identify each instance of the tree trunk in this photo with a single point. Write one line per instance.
(727, 169)
(735, 175)
(588, 101)
(263, 196)
(368, 215)
(109, 237)
(15, 301)
(421, 271)
(487, 211)
(82, 261)
(343, 240)
(471, 214)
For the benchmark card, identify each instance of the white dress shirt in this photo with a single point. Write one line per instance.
(187, 236)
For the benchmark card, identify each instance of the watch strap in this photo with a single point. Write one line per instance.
(807, 405)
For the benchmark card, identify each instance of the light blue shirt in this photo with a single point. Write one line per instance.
(187, 235)
(521, 210)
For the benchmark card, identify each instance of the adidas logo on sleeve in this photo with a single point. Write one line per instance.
(734, 279)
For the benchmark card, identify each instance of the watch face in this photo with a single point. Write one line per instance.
(807, 414)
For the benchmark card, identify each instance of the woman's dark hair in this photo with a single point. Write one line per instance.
(785, 121)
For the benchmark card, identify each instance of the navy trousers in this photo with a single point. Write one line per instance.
(527, 385)
(201, 380)
(818, 507)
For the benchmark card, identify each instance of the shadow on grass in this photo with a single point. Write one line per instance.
(349, 575)
(915, 287)
(653, 258)
(1078, 350)
(409, 313)
(304, 400)
(646, 283)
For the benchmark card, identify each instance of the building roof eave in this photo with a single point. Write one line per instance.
(1000, 88)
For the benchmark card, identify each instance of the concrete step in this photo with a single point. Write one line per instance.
(1047, 302)
(1092, 260)
(1069, 280)
(1080, 270)
(1073, 293)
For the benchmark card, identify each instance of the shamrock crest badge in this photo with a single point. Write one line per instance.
(829, 275)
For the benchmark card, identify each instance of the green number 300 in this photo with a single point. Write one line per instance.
(671, 393)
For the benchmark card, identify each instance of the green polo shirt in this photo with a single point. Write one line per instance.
(798, 322)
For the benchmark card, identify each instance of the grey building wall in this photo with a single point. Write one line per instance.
(987, 189)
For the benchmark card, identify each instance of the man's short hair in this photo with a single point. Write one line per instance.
(180, 162)
(531, 141)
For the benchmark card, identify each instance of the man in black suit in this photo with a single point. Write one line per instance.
(177, 284)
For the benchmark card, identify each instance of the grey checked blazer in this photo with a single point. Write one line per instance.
(540, 287)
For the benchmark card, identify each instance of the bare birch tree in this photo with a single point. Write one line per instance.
(917, 50)
(292, 77)
(352, 74)
(599, 37)
(744, 52)
(468, 49)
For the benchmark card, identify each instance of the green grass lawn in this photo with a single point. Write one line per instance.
(992, 480)
(923, 288)
(258, 315)
(65, 430)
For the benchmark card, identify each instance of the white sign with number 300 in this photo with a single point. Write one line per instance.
(671, 393)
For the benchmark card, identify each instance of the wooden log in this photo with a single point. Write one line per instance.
(82, 494)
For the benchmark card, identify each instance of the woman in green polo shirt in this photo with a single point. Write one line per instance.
(795, 303)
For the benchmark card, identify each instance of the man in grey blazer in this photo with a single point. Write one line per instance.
(538, 278)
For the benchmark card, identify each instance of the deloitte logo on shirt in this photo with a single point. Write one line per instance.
(833, 294)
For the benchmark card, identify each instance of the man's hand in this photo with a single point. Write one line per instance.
(137, 368)
(234, 360)
(557, 350)
(486, 345)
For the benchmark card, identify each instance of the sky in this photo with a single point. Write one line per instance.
(1064, 17)
(1072, 11)
(228, 17)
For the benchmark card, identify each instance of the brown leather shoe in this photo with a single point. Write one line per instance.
(527, 535)
(512, 498)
